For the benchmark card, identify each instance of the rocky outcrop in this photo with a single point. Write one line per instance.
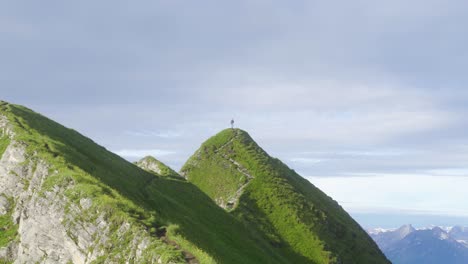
(149, 164)
(48, 227)
(5, 127)
(155, 166)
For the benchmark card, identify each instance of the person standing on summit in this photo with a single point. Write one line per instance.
(232, 123)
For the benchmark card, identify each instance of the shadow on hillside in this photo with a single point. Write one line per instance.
(177, 202)
(251, 215)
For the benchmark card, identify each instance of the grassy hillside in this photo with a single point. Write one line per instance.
(300, 221)
(170, 208)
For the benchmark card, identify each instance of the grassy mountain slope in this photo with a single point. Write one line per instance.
(173, 211)
(300, 221)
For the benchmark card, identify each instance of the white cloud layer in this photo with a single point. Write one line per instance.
(335, 88)
(140, 153)
(398, 194)
(151, 133)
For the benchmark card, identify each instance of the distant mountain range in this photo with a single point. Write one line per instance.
(408, 245)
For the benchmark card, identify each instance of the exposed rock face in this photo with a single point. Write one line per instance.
(150, 165)
(4, 205)
(65, 199)
(41, 231)
(155, 166)
(50, 227)
(5, 127)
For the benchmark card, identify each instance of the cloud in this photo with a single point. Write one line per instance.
(406, 194)
(150, 133)
(306, 160)
(335, 88)
(139, 153)
(449, 172)
(15, 28)
(358, 153)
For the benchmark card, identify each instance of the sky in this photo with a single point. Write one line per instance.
(366, 99)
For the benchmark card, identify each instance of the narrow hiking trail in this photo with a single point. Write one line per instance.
(232, 202)
(189, 257)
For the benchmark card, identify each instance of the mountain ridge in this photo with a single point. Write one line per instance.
(64, 198)
(426, 245)
(288, 210)
(111, 210)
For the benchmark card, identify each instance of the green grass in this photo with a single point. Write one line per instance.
(126, 193)
(202, 257)
(4, 142)
(207, 226)
(300, 221)
(224, 181)
(8, 229)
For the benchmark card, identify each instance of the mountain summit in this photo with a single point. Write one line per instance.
(294, 216)
(65, 199)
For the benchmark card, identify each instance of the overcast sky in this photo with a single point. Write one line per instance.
(354, 95)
